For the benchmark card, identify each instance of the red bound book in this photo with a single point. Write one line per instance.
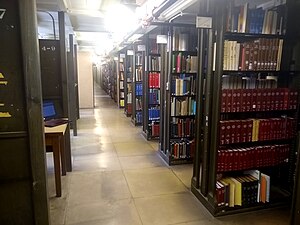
(244, 130)
(249, 130)
(243, 100)
(241, 159)
(219, 160)
(233, 131)
(272, 155)
(238, 133)
(286, 101)
(242, 65)
(261, 130)
(264, 100)
(270, 131)
(295, 100)
(228, 133)
(230, 159)
(252, 157)
(249, 99)
(247, 55)
(234, 100)
(291, 99)
(222, 132)
(236, 159)
(224, 100)
(157, 80)
(258, 99)
(151, 80)
(238, 100)
(268, 100)
(254, 99)
(229, 100)
(281, 99)
(246, 162)
(277, 98)
(273, 99)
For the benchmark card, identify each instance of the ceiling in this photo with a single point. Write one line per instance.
(87, 19)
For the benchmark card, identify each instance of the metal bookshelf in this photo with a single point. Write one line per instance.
(128, 86)
(206, 173)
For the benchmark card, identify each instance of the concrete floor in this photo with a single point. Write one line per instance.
(118, 179)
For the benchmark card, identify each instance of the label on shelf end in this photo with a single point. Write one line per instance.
(204, 22)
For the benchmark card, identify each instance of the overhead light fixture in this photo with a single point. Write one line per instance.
(93, 4)
(134, 37)
(177, 8)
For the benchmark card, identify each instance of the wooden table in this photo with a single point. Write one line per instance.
(54, 139)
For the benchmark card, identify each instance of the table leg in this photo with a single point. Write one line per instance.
(56, 157)
(63, 155)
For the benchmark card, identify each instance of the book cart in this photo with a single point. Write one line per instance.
(177, 141)
(152, 91)
(246, 129)
(137, 92)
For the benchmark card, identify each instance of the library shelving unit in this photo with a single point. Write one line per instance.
(151, 121)
(137, 86)
(121, 80)
(128, 75)
(246, 129)
(113, 80)
(177, 142)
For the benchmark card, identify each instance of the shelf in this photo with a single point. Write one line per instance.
(154, 120)
(185, 137)
(185, 73)
(154, 54)
(139, 110)
(250, 35)
(154, 104)
(259, 143)
(185, 52)
(154, 87)
(154, 71)
(255, 112)
(187, 116)
(249, 71)
(138, 81)
(186, 95)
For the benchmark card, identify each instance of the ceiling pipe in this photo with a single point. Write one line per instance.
(162, 7)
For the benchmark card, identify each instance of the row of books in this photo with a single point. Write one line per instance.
(182, 63)
(245, 190)
(182, 127)
(183, 107)
(154, 129)
(154, 113)
(139, 89)
(129, 98)
(184, 86)
(249, 100)
(252, 130)
(154, 80)
(260, 54)
(154, 63)
(154, 96)
(182, 149)
(121, 75)
(139, 74)
(180, 41)
(139, 117)
(122, 103)
(233, 159)
(138, 104)
(121, 67)
(121, 84)
(242, 19)
(129, 108)
(246, 82)
(139, 59)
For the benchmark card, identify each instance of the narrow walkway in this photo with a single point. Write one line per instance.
(118, 179)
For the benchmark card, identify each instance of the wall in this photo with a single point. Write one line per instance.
(85, 80)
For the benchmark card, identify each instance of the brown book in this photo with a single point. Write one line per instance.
(222, 132)
(247, 55)
(258, 99)
(224, 100)
(229, 100)
(228, 133)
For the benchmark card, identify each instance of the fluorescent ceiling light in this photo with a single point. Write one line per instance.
(177, 7)
(134, 37)
(93, 4)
